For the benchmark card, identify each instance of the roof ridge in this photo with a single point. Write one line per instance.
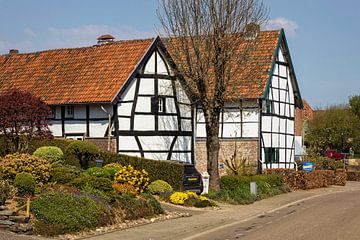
(80, 48)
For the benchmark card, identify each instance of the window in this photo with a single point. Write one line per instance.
(69, 112)
(158, 104)
(269, 106)
(271, 155)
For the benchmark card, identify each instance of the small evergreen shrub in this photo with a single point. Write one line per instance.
(103, 184)
(50, 153)
(12, 164)
(138, 207)
(105, 172)
(82, 154)
(25, 184)
(63, 174)
(158, 187)
(65, 213)
(93, 192)
(137, 178)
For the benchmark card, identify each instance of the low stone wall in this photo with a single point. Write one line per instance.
(353, 175)
(245, 148)
(9, 220)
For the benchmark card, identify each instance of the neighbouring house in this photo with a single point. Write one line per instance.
(126, 93)
(302, 116)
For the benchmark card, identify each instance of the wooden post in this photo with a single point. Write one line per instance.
(28, 207)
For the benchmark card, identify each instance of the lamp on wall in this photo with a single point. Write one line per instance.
(109, 129)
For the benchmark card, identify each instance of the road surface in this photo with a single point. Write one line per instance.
(333, 216)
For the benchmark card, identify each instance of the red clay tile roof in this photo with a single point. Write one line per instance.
(251, 78)
(89, 74)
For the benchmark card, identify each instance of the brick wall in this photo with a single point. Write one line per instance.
(245, 148)
(102, 143)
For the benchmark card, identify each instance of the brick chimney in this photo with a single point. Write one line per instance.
(13, 51)
(105, 39)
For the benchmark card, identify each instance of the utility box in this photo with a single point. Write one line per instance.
(99, 163)
(253, 188)
(206, 182)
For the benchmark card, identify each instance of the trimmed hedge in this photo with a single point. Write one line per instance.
(310, 180)
(353, 175)
(170, 172)
(56, 142)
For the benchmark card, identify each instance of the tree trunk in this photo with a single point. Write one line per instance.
(212, 146)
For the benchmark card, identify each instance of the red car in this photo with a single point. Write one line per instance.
(334, 154)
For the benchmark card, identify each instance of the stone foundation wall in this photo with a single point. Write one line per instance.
(102, 143)
(245, 148)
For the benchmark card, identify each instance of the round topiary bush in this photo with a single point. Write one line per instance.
(13, 164)
(50, 153)
(82, 154)
(25, 184)
(159, 187)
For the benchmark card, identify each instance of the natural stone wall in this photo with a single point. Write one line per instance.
(102, 143)
(10, 220)
(245, 148)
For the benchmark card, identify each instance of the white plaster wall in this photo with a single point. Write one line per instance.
(55, 128)
(98, 128)
(75, 126)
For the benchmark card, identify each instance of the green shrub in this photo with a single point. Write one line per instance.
(25, 184)
(50, 153)
(93, 192)
(138, 207)
(171, 172)
(63, 174)
(158, 187)
(101, 172)
(65, 213)
(100, 183)
(12, 164)
(61, 143)
(6, 191)
(82, 154)
(236, 189)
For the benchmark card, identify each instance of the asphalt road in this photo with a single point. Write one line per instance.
(333, 216)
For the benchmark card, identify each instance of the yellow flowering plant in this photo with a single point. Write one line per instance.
(139, 179)
(189, 199)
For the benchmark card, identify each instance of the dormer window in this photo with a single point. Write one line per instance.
(69, 112)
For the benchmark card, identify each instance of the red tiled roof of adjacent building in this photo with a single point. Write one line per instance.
(78, 75)
(251, 78)
(97, 73)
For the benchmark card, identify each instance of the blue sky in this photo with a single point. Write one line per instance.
(323, 35)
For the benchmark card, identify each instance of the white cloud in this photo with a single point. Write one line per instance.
(30, 32)
(87, 34)
(280, 22)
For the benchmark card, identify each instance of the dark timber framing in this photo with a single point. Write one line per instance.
(139, 76)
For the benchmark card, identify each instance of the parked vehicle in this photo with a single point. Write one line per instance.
(334, 154)
(192, 180)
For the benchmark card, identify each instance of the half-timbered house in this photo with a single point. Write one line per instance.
(126, 93)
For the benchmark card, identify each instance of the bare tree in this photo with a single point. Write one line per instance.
(205, 39)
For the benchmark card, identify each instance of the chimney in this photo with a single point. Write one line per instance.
(105, 39)
(13, 51)
(252, 30)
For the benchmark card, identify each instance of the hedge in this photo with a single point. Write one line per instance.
(170, 172)
(236, 189)
(353, 175)
(310, 180)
